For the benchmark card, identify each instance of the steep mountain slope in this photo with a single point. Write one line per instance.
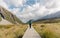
(5, 14)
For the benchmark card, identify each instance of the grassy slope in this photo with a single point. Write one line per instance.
(8, 16)
(12, 31)
(48, 28)
(0, 18)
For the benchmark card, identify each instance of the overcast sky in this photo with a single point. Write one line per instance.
(31, 9)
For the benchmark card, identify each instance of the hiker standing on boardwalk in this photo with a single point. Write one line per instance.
(30, 23)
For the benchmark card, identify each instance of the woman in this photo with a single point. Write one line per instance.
(30, 23)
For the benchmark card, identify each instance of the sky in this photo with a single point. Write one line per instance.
(27, 10)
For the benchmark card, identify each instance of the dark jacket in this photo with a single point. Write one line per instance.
(30, 22)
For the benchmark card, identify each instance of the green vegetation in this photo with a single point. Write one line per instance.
(12, 31)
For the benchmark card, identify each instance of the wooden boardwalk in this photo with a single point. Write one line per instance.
(31, 33)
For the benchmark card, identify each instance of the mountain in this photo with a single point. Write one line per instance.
(52, 18)
(5, 22)
(7, 15)
(54, 15)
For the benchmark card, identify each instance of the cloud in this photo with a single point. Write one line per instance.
(33, 12)
(3, 4)
(15, 10)
(15, 3)
(12, 5)
(39, 10)
(31, 9)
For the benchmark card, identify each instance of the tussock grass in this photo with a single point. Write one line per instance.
(6, 26)
(0, 18)
(48, 30)
(12, 31)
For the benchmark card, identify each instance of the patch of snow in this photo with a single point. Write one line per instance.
(5, 22)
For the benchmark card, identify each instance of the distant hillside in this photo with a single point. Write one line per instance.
(51, 20)
(7, 15)
(54, 15)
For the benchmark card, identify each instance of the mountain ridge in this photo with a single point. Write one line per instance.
(7, 15)
(52, 18)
